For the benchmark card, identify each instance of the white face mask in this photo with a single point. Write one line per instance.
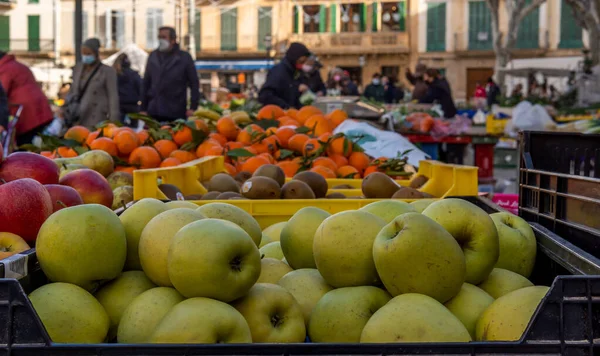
(306, 68)
(163, 45)
(375, 81)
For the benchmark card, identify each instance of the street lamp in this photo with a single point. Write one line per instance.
(267, 41)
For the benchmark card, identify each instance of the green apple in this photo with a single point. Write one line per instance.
(307, 286)
(517, 243)
(414, 254)
(202, 321)
(119, 293)
(414, 317)
(475, 232)
(507, 318)
(272, 250)
(264, 240)
(422, 204)
(156, 239)
(70, 314)
(82, 245)
(298, 235)
(144, 313)
(341, 314)
(271, 270)
(273, 315)
(343, 248)
(235, 215)
(502, 281)
(273, 232)
(134, 219)
(468, 305)
(181, 204)
(213, 258)
(388, 209)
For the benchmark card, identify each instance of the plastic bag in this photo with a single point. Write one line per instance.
(530, 117)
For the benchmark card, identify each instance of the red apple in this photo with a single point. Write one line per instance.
(24, 206)
(29, 165)
(63, 196)
(91, 186)
(11, 244)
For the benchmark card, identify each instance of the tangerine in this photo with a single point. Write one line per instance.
(323, 171)
(126, 142)
(284, 134)
(227, 127)
(218, 137)
(325, 162)
(48, 154)
(359, 160)
(170, 162)
(289, 122)
(311, 147)
(348, 172)
(339, 160)
(306, 112)
(230, 169)
(297, 141)
(370, 170)
(183, 156)
(290, 168)
(214, 151)
(91, 137)
(65, 152)
(77, 133)
(270, 112)
(205, 146)
(341, 146)
(318, 125)
(293, 113)
(337, 116)
(165, 147)
(109, 130)
(105, 144)
(143, 136)
(126, 169)
(183, 135)
(201, 125)
(145, 157)
(253, 163)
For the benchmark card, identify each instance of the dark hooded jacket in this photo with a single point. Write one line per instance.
(3, 108)
(439, 91)
(281, 87)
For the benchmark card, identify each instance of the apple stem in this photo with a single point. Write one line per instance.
(61, 204)
(124, 205)
(64, 166)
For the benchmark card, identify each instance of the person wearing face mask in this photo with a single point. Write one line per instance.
(375, 91)
(130, 89)
(94, 95)
(439, 91)
(313, 76)
(284, 84)
(170, 71)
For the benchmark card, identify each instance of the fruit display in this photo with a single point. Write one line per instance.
(382, 274)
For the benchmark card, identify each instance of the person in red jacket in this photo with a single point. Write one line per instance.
(22, 89)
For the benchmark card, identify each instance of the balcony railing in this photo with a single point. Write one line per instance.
(26, 45)
(379, 42)
(7, 4)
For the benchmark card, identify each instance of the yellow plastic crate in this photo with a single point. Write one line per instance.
(495, 126)
(569, 118)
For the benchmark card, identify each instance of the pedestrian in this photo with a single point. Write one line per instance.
(390, 94)
(21, 88)
(419, 86)
(480, 96)
(439, 91)
(492, 92)
(349, 87)
(170, 71)
(375, 91)
(313, 76)
(284, 85)
(94, 95)
(129, 83)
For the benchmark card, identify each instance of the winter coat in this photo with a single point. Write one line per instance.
(419, 86)
(281, 86)
(493, 92)
(315, 82)
(390, 94)
(350, 89)
(166, 81)
(439, 91)
(375, 92)
(130, 91)
(22, 88)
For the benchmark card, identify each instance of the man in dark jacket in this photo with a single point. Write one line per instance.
(129, 83)
(284, 84)
(349, 88)
(416, 79)
(313, 77)
(439, 91)
(169, 73)
(492, 92)
(375, 91)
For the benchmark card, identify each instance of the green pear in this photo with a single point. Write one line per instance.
(264, 240)
(298, 235)
(343, 248)
(388, 209)
(507, 318)
(468, 305)
(119, 179)
(202, 321)
(341, 314)
(119, 293)
(122, 196)
(272, 250)
(307, 286)
(235, 215)
(213, 258)
(134, 219)
(144, 313)
(517, 243)
(98, 160)
(156, 239)
(181, 204)
(82, 245)
(273, 232)
(414, 317)
(68, 168)
(422, 204)
(474, 230)
(271, 270)
(502, 281)
(273, 315)
(70, 314)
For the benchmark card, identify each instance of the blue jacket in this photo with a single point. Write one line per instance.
(281, 87)
(130, 91)
(168, 76)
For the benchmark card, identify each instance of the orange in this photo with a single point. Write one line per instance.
(183, 135)
(325, 137)
(230, 169)
(290, 168)
(341, 146)
(256, 128)
(337, 116)
(318, 125)
(126, 142)
(91, 137)
(145, 157)
(65, 152)
(284, 134)
(271, 131)
(48, 154)
(165, 147)
(182, 156)
(293, 113)
(170, 162)
(232, 145)
(348, 172)
(105, 144)
(270, 112)
(359, 160)
(227, 127)
(218, 137)
(268, 157)
(369, 170)
(297, 141)
(126, 169)
(245, 136)
(205, 146)
(214, 151)
(306, 112)
(267, 145)
(325, 162)
(311, 147)
(201, 125)
(289, 122)
(253, 163)
(323, 171)
(77, 133)
(109, 130)
(339, 160)
(143, 136)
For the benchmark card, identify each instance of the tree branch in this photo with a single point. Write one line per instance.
(529, 9)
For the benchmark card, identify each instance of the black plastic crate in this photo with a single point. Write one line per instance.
(560, 185)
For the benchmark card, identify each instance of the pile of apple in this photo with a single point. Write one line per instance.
(429, 271)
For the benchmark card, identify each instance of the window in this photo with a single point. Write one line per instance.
(4, 33)
(197, 29)
(528, 34)
(114, 29)
(333, 18)
(354, 17)
(393, 16)
(33, 1)
(314, 18)
(264, 25)
(436, 27)
(154, 20)
(480, 26)
(84, 25)
(229, 30)
(570, 31)
(33, 33)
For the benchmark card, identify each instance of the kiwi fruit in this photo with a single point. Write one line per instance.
(407, 193)
(228, 195)
(193, 197)
(272, 171)
(379, 185)
(170, 191)
(427, 195)
(343, 186)
(243, 176)
(261, 188)
(206, 184)
(296, 189)
(336, 196)
(315, 181)
(223, 182)
(418, 182)
(211, 196)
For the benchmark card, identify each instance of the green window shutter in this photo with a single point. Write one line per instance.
(4, 33)
(296, 23)
(229, 30)
(33, 33)
(33, 1)
(322, 18)
(264, 25)
(333, 13)
(436, 27)
(402, 13)
(480, 26)
(570, 31)
(198, 29)
(528, 34)
(375, 17)
(363, 17)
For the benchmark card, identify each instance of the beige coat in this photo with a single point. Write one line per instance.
(100, 102)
